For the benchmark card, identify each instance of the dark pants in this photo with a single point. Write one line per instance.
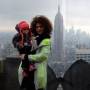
(28, 82)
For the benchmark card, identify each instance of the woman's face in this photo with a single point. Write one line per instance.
(39, 29)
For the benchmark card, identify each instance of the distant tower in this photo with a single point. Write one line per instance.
(57, 45)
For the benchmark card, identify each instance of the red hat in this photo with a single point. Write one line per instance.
(23, 25)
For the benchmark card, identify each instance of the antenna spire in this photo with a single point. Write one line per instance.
(58, 5)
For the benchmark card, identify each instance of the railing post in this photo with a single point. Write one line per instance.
(1, 66)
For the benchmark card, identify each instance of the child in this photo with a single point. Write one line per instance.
(23, 42)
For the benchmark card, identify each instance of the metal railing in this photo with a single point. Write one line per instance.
(77, 77)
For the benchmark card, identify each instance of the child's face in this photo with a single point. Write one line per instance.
(25, 31)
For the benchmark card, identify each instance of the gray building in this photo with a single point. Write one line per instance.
(57, 45)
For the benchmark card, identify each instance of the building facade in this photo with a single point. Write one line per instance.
(57, 45)
(83, 53)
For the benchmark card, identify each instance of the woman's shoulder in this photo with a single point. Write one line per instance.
(46, 41)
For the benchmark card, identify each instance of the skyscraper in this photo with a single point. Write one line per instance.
(57, 45)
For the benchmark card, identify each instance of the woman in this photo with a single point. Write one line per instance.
(41, 27)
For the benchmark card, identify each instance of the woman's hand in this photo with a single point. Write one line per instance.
(22, 56)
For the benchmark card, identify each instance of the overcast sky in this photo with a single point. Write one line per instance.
(75, 12)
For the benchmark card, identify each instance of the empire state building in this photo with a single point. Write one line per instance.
(57, 45)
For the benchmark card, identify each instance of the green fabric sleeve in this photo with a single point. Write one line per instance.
(43, 53)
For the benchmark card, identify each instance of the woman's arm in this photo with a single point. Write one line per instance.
(43, 52)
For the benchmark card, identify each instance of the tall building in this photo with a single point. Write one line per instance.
(57, 45)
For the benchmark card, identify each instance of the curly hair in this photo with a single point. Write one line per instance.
(44, 21)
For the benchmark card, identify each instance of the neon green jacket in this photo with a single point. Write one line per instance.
(41, 57)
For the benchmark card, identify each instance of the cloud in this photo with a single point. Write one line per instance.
(11, 11)
(20, 8)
